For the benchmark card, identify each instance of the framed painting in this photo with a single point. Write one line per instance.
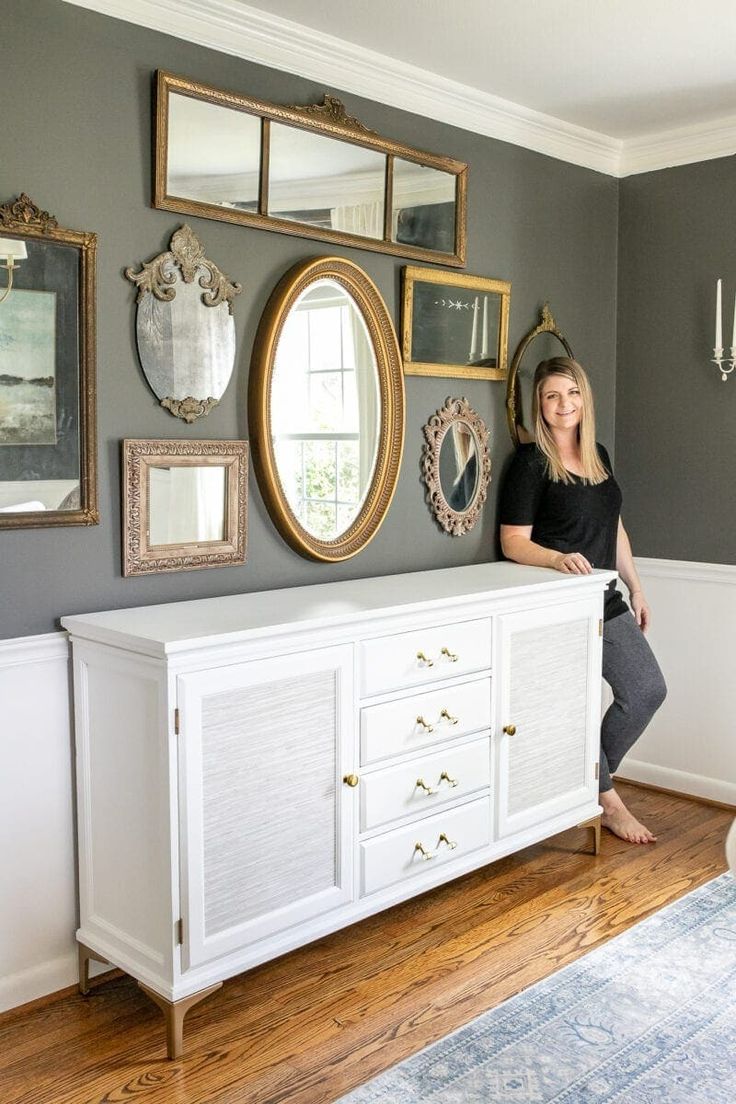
(47, 370)
(453, 324)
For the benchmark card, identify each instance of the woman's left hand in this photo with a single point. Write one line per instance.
(641, 610)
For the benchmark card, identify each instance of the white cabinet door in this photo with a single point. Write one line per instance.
(548, 719)
(265, 820)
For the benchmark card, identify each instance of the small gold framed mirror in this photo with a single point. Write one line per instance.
(184, 505)
(519, 385)
(456, 465)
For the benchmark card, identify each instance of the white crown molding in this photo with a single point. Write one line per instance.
(246, 32)
(682, 146)
(687, 569)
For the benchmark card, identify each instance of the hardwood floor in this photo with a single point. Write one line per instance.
(308, 1027)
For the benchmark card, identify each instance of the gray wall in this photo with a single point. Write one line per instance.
(75, 134)
(675, 418)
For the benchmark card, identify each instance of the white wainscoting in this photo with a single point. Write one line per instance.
(690, 746)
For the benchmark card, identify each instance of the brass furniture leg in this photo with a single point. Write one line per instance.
(174, 1013)
(85, 956)
(595, 824)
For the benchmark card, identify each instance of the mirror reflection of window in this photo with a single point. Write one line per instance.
(186, 505)
(326, 182)
(325, 409)
(459, 466)
(423, 211)
(214, 153)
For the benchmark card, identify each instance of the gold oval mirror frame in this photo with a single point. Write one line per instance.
(520, 435)
(391, 406)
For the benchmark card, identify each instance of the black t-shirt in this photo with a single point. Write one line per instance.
(568, 517)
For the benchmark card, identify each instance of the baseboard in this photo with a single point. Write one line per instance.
(677, 781)
(45, 979)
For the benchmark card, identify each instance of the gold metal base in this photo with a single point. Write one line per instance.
(595, 824)
(174, 1013)
(86, 955)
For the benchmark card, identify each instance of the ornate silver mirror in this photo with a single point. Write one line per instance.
(327, 408)
(519, 386)
(456, 465)
(184, 327)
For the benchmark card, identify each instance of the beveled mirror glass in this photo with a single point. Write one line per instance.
(184, 327)
(456, 465)
(519, 386)
(48, 452)
(314, 171)
(326, 408)
(184, 505)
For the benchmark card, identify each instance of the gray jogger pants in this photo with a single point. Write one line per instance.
(632, 672)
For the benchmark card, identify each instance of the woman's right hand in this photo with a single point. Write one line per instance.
(572, 563)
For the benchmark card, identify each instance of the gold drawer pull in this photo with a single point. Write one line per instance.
(444, 777)
(450, 655)
(423, 851)
(351, 780)
(447, 716)
(422, 785)
(450, 843)
(425, 659)
(425, 724)
(510, 730)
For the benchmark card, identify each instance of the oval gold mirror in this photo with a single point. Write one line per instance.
(519, 384)
(326, 408)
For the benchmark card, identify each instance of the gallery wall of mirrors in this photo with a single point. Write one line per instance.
(314, 171)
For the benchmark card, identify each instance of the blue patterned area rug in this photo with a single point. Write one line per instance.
(648, 1018)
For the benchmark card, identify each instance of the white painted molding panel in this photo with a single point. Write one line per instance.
(256, 771)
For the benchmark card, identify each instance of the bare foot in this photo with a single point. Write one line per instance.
(617, 819)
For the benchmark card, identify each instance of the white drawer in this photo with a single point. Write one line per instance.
(391, 662)
(396, 792)
(393, 728)
(395, 857)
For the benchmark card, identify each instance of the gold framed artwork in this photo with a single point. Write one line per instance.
(184, 505)
(454, 324)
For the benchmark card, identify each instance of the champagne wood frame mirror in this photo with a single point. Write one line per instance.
(520, 432)
(230, 157)
(48, 436)
(184, 505)
(456, 465)
(328, 276)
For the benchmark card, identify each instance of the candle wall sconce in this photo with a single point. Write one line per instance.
(718, 358)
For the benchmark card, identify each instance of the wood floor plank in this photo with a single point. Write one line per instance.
(311, 1025)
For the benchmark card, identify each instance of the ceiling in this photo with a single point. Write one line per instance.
(618, 85)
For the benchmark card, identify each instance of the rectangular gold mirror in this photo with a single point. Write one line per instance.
(184, 505)
(313, 171)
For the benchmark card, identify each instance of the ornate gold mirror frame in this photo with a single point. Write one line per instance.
(472, 472)
(520, 434)
(395, 171)
(390, 385)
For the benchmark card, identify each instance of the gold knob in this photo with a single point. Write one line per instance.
(510, 730)
(448, 716)
(422, 785)
(450, 655)
(425, 724)
(423, 851)
(444, 777)
(450, 843)
(425, 660)
(351, 780)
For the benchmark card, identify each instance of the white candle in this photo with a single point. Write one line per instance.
(484, 339)
(719, 323)
(733, 335)
(474, 334)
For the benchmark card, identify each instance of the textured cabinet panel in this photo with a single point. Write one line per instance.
(392, 728)
(392, 662)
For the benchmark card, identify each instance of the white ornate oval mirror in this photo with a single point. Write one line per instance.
(327, 408)
(456, 465)
(184, 327)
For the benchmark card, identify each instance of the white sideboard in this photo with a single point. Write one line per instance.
(256, 771)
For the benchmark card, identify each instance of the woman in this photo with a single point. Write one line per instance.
(560, 508)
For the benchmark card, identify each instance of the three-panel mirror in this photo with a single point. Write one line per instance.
(312, 171)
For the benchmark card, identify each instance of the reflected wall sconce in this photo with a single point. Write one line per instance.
(11, 251)
(718, 357)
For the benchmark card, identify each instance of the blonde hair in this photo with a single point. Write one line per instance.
(593, 468)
